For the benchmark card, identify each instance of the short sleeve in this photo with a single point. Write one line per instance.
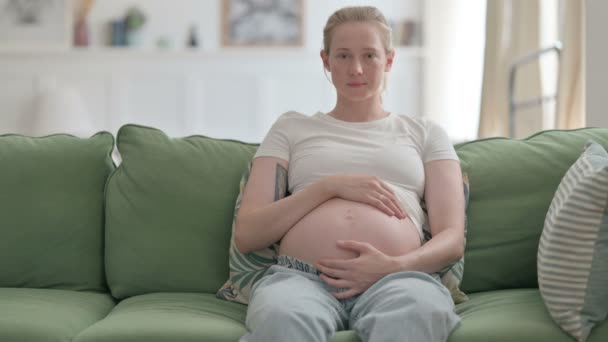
(276, 142)
(437, 144)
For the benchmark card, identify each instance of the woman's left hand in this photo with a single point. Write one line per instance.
(357, 274)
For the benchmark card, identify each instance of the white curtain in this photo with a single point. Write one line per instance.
(571, 87)
(512, 31)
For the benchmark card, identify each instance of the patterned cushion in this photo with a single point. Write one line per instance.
(246, 269)
(573, 249)
(451, 275)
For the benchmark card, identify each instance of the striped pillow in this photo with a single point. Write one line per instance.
(245, 269)
(573, 250)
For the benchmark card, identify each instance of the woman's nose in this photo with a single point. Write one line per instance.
(356, 67)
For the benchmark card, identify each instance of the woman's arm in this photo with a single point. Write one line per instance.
(444, 198)
(266, 214)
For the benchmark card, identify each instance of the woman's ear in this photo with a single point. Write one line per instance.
(325, 60)
(390, 56)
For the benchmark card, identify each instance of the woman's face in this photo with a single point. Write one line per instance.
(357, 61)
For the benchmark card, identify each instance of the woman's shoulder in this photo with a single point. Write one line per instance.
(414, 119)
(414, 123)
(289, 117)
(286, 119)
(418, 123)
(292, 115)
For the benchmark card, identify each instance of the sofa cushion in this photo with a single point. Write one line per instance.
(51, 211)
(44, 315)
(169, 317)
(511, 315)
(573, 249)
(512, 185)
(169, 207)
(176, 317)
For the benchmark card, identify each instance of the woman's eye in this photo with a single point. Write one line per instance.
(371, 55)
(342, 56)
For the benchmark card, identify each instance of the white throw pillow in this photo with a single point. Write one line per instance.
(573, 249)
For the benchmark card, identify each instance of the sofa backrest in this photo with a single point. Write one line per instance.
(512, 183)
(51, 211)
(169, 209)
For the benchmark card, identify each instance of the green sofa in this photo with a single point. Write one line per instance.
(90, 252)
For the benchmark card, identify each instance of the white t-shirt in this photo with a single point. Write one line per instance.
(393, 148)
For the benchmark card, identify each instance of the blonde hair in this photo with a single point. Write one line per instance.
(360, 14)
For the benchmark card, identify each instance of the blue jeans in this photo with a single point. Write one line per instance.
(291, 303)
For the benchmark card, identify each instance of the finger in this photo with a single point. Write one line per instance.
(377, 202)
(394, 197)
(338, 264)
(333, 272)
(396, 204)
(353, 245)
(337, 283)
(391, 201)
(346, 294)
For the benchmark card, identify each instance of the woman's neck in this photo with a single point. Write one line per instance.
(358, 111)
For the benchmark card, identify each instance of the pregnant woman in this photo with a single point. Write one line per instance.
(350, 232)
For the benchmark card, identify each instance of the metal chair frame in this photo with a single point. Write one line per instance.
(515, 106)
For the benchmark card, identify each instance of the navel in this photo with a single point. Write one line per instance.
(349, 215)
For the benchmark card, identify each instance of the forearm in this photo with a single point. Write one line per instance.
(261, 227)
(443, 249)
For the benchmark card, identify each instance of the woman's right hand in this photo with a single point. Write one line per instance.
(366, 189)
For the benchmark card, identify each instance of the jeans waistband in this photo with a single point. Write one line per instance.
(297, 264)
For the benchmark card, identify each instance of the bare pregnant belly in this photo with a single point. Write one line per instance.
(315, 235)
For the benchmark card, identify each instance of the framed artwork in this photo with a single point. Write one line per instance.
(262, 23)
(35, 24)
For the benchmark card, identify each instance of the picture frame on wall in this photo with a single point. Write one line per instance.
(35, 24)
(262, 23)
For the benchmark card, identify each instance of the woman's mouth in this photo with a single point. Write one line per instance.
(356, 84)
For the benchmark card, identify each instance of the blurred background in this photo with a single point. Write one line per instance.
(229, 68)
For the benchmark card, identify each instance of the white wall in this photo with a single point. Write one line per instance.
(596, 57)
(455, 36)
(224, 94)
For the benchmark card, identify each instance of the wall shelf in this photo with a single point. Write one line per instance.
(135, 53)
